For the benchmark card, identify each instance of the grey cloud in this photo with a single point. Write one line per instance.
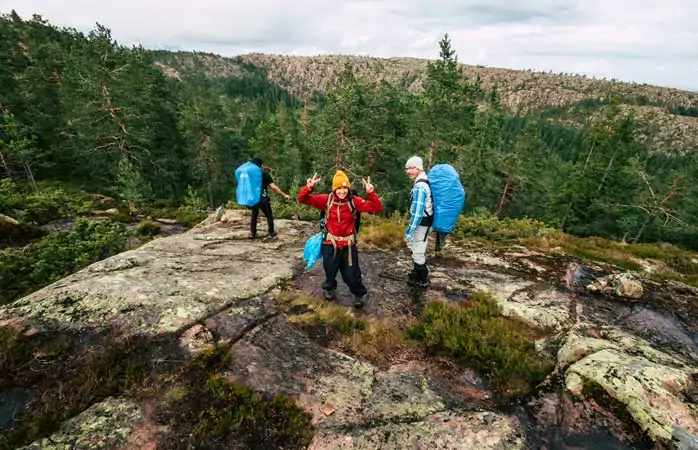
(588, 54)
(495, 12)
(500, 15)
(656, 53)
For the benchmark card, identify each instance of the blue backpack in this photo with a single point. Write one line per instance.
(448, 196)
(249, 180)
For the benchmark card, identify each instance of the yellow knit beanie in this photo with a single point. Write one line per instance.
(340, 180)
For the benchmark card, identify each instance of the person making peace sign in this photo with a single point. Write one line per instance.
(339, 252)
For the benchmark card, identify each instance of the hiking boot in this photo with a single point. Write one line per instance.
(421, 279)
(421, 284)
(273, 234)
(359, 301)
(328, 294)
(418, 283)
(412, 276)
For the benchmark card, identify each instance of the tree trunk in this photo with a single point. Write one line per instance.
(432, 147)
(503, 197)
(31, 177)
(637, 237)
(605, 174)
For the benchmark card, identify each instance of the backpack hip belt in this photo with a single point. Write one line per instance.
(351, 240)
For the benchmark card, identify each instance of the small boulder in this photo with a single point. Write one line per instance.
(621, 285)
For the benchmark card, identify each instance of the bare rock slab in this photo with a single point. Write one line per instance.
(649, 383)
(393, 409)
(166, 285)
(443, 431)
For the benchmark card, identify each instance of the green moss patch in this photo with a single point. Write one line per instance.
(205, 408)
(477, 335)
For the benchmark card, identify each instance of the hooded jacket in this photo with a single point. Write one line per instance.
(340, 221)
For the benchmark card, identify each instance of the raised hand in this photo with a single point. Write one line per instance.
(311, 182)
(367, 185)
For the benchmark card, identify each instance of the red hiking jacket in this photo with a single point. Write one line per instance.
(340, 220)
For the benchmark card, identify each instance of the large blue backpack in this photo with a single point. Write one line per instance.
(448, 196)
(249, 184)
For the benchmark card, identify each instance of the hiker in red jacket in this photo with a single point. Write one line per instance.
(339, 253)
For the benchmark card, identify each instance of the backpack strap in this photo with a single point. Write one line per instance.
(325, 216)
(330, 202)
(425, 181)
(352, 208)
(427, 219)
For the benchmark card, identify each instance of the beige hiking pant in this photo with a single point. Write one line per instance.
(418, 244)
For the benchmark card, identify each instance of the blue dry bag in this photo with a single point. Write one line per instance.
(249, 180)
(448, 196)
(312, 250)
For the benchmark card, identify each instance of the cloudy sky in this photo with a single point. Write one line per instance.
(636, 40)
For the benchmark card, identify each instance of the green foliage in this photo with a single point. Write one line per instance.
(56, 256)
(131, 185)
(194, 200)
(691, 111)
(479, 336)
(150, 126)
(20, 202)
(483, 224)
(147, 228)
(189, 217)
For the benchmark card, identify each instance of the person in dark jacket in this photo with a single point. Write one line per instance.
(339, 252)
(265, 202)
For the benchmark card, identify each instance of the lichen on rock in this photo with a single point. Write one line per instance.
(649, 387)
(164, 286)
(447, 430)
(536, 303)
(104, 425)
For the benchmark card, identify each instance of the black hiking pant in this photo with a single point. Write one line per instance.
(340, 263)
(265, 206)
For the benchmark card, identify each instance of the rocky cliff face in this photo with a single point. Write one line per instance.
(186, 339)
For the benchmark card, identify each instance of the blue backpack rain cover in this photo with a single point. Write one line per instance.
(312, 250)
(249, 180)
(448, 196)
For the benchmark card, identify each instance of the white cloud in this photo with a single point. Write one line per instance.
(624, 39)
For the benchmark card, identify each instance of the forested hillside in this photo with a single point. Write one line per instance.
(154, 128)
(667, 118)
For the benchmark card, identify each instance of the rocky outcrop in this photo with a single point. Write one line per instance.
(165, 285)
(620, 365)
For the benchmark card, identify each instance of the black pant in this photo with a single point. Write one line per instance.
(265, 206)
(340, 263)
